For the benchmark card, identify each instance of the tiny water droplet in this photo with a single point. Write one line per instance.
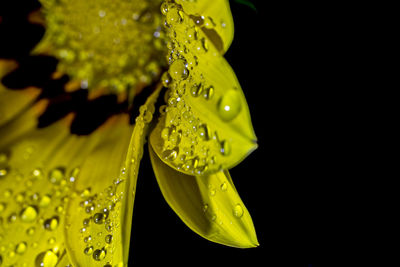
(224, 186)
(30, 231)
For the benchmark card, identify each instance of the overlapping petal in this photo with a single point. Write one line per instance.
(208, 204)
(206, 126)
(99, 218)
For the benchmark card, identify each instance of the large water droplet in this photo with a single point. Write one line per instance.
(178, 70)
(88, 250)
(238, 211)
(44, 201)
(46, 259)
(99, 254)
(225, 148)
(98, 218)
(203, 131)
(29, 214)
(51, 224)
(108, 239)
(56, 175)
(21, 247)
(229, 105)
(170, 154)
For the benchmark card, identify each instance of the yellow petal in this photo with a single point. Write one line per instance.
(209, 205)
(94, 228)
(214, 18)
(13, 101)
(35, 189)
(99, 218)
(206, 126)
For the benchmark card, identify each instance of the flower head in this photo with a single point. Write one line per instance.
(67, 196)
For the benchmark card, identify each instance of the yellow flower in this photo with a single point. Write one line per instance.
(67, 198)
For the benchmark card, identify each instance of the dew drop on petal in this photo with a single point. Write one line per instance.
(51, 224)
(56, 175)
(88, 250)
(229, 105)
(20, 248)
(29, 214)
(99, 254)
(46, 259)
(178, 70)
(238, 211)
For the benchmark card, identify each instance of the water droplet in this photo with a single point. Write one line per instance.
(208, 93)
(86, 221)
(98, 218)
(173, 15)
(178, 70)
(238, 211)
(99, 254)
(196, 89)
(45, 201)
(88, 250)
(21, 247)
(108, 239)
(166, 79)
(4, 171)
(212, 190)
(170, 154)
(37, 173)
(224, 186)
(30, 231)
(12, 217)
(74, 174)
(56, 175)
(51, 240)
(203, 131)
(205, 207)
(46, 259)
(51, 224)
(29, 214)
(87, 239)
(225, 148)
(3, 206)
(229, 105)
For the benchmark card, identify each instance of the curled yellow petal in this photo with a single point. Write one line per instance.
(206, 126)
(209, 205)
(99, 217)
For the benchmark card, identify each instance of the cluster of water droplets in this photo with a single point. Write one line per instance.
(100, 214)
(31, 214)
(213, 212)
(190, 144)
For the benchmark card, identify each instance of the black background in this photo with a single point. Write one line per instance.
(283, 183)
(289, 183)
